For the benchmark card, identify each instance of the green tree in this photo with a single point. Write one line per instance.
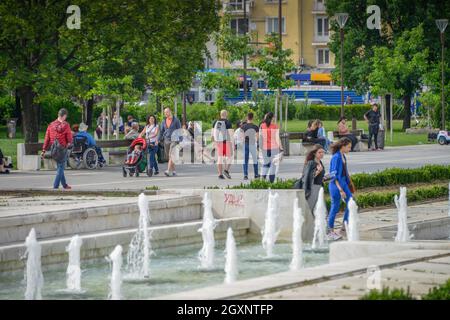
(400, 70)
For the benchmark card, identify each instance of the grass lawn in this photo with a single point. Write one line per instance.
(399, 138)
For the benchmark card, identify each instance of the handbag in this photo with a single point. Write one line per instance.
(57, 151)
(351, 186)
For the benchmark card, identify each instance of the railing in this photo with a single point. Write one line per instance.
(321, 38)
(319, 6)
(237, 7)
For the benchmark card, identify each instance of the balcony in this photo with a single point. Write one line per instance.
(237, 7)
(321, 39)
(319, 7)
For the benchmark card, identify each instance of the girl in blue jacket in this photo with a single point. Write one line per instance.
(339, 184)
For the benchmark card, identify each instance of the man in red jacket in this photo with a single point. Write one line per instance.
(59, 130)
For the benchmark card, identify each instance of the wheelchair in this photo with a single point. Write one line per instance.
(82, 156)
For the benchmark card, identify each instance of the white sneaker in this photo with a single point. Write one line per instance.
(333, 236)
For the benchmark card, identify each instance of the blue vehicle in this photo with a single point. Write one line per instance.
(443, 137)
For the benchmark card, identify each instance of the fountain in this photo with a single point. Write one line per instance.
(231, 268)
(402, 229)
(320, 223)
(271, 230)
(116, 275)
(353, 225)
(33, 275)
(73, 280)
(297, 243)
(139, 252)
(206, 254)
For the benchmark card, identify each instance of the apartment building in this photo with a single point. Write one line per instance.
(305, 30)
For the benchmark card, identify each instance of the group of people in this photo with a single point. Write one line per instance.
(248, 139)
(130, 128)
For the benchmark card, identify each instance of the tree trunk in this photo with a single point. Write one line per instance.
(30, 123)
(407, 118)
(17, 109)
(388, 111)
(89, 111)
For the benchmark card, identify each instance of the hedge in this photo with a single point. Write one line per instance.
(387, 177)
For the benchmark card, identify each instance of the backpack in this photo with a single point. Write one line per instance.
(57, 151)
(220, 131)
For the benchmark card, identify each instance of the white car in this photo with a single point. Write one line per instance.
(312, 101)
(246, 102)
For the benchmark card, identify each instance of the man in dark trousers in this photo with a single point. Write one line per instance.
(373, 118)
(59, 130)
(169, 125)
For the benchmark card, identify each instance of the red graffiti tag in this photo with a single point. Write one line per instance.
(234, 200)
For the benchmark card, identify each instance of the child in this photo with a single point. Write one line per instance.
(133, 156)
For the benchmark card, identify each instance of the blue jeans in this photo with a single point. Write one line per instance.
(268, 166)
(250, 149)
(60, 178)
(152, 163)
(336, 202)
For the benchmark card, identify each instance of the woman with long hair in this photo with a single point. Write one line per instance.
(151, 133)
(345, 132)
(271, 145)
(313, 175)
(339, 186)
(312, 134)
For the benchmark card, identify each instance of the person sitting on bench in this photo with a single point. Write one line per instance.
(345, 132)
(2, 164)
(312, 134)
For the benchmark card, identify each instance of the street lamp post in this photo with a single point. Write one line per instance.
(341, 19)
(442, 25)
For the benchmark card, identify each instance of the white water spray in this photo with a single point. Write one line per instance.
(73, 273)
(206, 254)
(231, 260)
(402, 207)
(33, 275)
(271, 228)
(115, 258)
(139, 252)
(320, 223)
(297, 243)
(353, 225)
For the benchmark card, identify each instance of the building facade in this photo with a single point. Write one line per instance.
(305, 30)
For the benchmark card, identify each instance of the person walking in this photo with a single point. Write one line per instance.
(340, 185)
(169, 125)
(58, 137)
(271, 146)
(222, 138)
(373, 117)
(313, 175)
(151, 133)
(251, 131)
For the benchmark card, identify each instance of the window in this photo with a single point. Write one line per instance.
(322, 27)
(323, 57)
(272, 25)
(238, 25)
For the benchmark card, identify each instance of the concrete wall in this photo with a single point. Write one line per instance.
(252, 204)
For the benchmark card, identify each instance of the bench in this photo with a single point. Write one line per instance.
(362, 144)
(28, 154)
(299, 148)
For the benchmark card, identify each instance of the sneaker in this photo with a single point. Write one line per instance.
(67, 187)
(257, 176)
(167, 173)
(245, 178)
(149, 172)
(227, 174)
(174, 174)
(156, 173)
(333, 236)
(221, 176)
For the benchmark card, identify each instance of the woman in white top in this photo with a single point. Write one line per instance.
(151, 133)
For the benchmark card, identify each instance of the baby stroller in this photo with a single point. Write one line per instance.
(136, 161)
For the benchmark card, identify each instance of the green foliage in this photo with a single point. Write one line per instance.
(265, 184)
(441, 292)
(50, 106)
(388, 294)
(7, 105)
(226, 83)
(376, 199)
(274, 62)
(399, 176)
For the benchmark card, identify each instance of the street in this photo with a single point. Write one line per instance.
(202, 175)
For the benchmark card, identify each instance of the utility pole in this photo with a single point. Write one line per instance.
(245, 54)
(280, 47)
